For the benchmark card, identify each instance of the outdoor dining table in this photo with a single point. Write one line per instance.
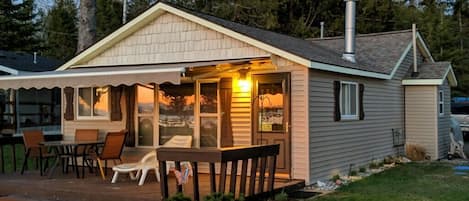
(60, 148)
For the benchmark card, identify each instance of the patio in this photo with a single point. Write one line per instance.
(31, 186)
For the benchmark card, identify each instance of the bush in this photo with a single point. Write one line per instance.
(179, 197)
(281, 197)
(415, 152)
(362, 169)
(353, 173)
(374, 165)
(223, 197)
(335, 177)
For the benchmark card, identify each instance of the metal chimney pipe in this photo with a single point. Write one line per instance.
(322, 29)
(350, 10)
(414, 47)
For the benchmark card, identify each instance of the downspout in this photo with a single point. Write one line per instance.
(349, 41)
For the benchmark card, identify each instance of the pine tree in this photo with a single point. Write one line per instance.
(136, 7)
(108, 17)
(61, 30)
(19, 30)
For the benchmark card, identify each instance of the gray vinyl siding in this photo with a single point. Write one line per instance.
(443, 122)
(336, 145)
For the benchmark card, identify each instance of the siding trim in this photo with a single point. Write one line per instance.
(436, 116)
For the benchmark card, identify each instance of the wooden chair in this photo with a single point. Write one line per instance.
(33, 149)
(112, 150)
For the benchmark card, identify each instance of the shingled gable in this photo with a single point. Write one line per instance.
(432, 74)
(313, 54)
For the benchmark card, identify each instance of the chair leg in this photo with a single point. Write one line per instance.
(114, 178)
(142, 178)
(157, 174)
(105, 167)
(101, 169)
(25, 161)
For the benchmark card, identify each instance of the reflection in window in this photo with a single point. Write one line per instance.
(93, 102)
(176, 108)
(208, 98)
(270, 107)
(208, 131)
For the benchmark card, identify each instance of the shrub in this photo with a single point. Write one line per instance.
(415, 152)
(362, 169)
(179, 197)
(353, 173)
(281, 197)
(335, 177)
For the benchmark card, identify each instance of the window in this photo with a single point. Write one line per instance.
(441, 103)
(93, 103)
(348, 100)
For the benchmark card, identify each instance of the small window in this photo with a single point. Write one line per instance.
(93, 103)
(349, 100)
(441, 103)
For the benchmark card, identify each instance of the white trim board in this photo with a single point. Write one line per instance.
(9, 70)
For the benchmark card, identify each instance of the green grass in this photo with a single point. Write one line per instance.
(8, 158)
(409, 182)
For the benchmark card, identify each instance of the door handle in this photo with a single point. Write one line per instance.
(287, 127)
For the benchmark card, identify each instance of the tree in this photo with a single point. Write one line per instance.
(136, 7)
(87, 24)
(60, 30)
(19, 30)
(108, 17)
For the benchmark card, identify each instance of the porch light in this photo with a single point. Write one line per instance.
(243, 83)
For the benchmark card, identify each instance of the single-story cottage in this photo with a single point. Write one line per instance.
(328, 102)
(33, 108)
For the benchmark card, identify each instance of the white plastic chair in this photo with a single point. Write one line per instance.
(149, 161)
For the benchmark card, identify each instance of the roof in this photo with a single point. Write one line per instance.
(378, 55)
(378, 52)
(25, 62)
(373, 52)
(432, 74)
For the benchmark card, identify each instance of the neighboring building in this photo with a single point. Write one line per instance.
(28, 108)
(172, 71)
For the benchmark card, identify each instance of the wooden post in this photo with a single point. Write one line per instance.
(221, 185)
(213, 183)
(252, 178)
(195, 181)
(272, 166)
(244, 170)
(234, 167)
(178, 168)
(262, 174)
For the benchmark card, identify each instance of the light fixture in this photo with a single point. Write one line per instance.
(243, 83)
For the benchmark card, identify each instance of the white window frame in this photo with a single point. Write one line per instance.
(198, 114)
(348, 116)
(107, 117)
(441, 103)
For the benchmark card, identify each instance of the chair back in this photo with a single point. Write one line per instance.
(149, 157)
(86, 134)
(179, 141)
(32, 138)
(113, 145)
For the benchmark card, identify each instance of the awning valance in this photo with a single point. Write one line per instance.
(94, 76)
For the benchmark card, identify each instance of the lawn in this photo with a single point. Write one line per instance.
(409, 182)
(7, 153)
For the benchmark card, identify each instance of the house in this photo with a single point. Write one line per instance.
(172, 71)
(28, 108)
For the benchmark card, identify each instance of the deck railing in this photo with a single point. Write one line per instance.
(263, 159)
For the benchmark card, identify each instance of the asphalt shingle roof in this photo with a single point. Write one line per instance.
(435, 70)
(377, 53)
(25, 62)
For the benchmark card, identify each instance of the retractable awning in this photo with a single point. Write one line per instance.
(99, 76)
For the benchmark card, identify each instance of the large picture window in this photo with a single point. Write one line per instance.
(93, 103)
(349, 100)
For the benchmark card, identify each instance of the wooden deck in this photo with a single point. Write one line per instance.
(32, 187)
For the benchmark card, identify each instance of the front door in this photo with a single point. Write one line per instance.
(271, 114)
